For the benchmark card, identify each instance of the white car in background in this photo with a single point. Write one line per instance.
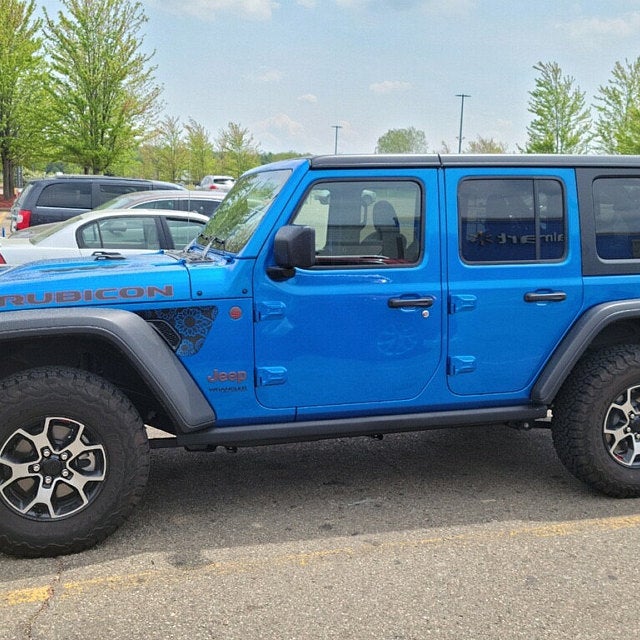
(123, 231)
(220, 183)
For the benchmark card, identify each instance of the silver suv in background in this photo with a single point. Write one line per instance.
(64, 196)
(205, 202)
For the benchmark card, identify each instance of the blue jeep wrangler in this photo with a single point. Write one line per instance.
(329, 297)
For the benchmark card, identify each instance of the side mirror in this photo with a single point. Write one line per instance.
(294, 246)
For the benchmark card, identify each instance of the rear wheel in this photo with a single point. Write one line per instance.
(596, 424)
(74, 460)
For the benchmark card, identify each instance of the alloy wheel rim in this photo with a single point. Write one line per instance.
(621, 429)
(52, 469)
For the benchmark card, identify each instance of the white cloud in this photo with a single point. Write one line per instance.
(585, 29)
(209, 9)
(389, 86)
(280, 124)
(308, 97)
(269, 76)
(450, 7)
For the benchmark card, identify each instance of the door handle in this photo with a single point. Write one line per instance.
(398, 303)
(548, 296)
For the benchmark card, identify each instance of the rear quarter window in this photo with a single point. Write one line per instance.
(616, 208)
(66, 195)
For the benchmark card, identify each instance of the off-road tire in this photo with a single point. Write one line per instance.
(112, 432)
(580, 410)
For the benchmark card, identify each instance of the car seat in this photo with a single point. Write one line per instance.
(386, 240)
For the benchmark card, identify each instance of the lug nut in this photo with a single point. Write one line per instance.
(65, 473)
(48, 480)
(64, 455)
(46, 453)
(35, 468)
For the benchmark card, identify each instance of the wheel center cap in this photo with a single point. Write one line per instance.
(52, 467)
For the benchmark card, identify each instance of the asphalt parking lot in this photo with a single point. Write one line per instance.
(459, 533)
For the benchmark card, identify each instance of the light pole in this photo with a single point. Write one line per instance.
(462, 96)
(336, 127)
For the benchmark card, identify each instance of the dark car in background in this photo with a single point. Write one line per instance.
(61, 197)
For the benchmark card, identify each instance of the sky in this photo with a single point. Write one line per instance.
(291, 71)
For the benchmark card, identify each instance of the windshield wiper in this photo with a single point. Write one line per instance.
(217, 241)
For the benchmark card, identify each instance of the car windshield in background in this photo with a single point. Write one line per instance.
(242, 210)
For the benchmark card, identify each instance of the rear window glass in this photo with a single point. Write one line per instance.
(23, 194)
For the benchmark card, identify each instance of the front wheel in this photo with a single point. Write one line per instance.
(74, 460)
(596, 423)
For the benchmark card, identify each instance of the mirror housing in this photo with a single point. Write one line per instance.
(294, 246)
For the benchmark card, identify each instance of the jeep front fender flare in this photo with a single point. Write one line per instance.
(576, 342)
(141, 345)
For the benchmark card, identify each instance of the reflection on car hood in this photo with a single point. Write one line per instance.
(100, 262)
(90, 282)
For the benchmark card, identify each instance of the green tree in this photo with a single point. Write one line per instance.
(22, 98)
(410, 140)
(200, 150)
(238, 150)
(619, 102)
(103, 90)
(486, 145)
(628, 139)
(171, 150)
(269, 156)
(562, 122)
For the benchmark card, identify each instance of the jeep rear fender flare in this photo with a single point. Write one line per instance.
(576, 342)
(141, 345)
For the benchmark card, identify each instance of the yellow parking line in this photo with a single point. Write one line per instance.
(76, 588)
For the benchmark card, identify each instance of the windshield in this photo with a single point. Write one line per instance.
(242, 210)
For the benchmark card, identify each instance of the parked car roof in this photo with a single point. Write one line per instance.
(56, 198)
(123, 231)
(205, 202)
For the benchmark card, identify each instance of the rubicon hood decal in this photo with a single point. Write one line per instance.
(102, 294)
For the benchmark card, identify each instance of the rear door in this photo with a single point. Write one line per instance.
(514, 274)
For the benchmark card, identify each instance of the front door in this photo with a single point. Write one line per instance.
(363, 326)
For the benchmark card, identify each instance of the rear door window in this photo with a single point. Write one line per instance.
(123, 232)
(511, 220)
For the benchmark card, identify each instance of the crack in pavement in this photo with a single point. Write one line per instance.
(50, 594)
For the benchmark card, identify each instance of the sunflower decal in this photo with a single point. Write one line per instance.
(191, 324)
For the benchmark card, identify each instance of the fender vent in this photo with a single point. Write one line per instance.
(168, 333)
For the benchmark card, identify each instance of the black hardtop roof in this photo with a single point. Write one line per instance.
(466, 160)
